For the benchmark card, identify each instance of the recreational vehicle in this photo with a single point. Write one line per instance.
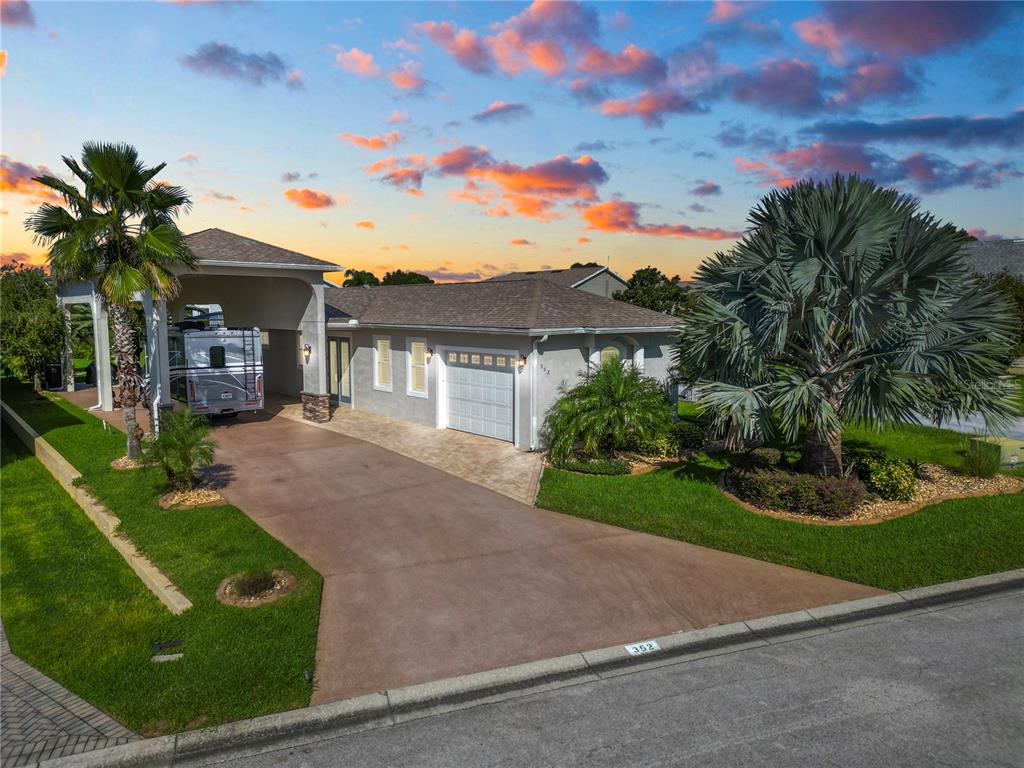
(217, 370)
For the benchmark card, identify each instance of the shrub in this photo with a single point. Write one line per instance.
(612, 407)
(760, 458)
(821, 496)
(663, 446)
(182, 446)
(595, 466)
(889, 478)
(689, 435)
(982, 459)
(253, 583)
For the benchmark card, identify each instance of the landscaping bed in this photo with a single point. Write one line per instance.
(74, 609)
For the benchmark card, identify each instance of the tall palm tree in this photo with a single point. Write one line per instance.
(121, 231)
(844, 303)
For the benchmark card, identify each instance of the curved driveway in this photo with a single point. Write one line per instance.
(427, 576)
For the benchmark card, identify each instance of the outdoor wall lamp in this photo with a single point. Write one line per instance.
(522, 362)
(306, 352)
(430, 353)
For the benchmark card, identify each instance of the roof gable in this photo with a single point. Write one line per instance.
(218, 246)
(570, 277)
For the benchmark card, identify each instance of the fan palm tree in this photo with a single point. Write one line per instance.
(612, 406)
(844, 303)
(120, 230)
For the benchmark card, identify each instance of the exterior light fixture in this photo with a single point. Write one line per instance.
(522, 362)
(306, 352)
(430, 353)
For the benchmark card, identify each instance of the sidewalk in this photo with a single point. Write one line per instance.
(40, 720)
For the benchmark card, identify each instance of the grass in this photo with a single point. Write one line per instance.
(943, 542)
(73, 609)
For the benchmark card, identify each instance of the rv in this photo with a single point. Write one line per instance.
(217, 371)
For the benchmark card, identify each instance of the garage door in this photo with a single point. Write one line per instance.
(480, 393)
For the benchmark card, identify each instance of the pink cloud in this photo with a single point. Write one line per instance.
(873, 80)
(821, 33)
(358, 62)
(788, 86)
(16, 179)
(398, 116)
(651, 106)
(407, 77)
(982, 234)
(365, 224)
(463, 45)
(634, 64)
(309, 199)
(16, 13)
(503, 112)
(706, 188)
(522, 241)
(189, 157)
(375, 143)
(624, 216)
(726, 10)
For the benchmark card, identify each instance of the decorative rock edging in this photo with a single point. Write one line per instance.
(65, 474)
(299, 727)
(284, 584)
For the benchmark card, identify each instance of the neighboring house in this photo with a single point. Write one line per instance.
(990, 257)
(488, 357)
(597, 280)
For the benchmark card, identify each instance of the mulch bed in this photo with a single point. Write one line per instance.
(284, 583)
(190, 499)
(937, 484)
(124, 463)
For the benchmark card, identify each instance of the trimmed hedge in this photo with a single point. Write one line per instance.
(596, 466)
(834, 497)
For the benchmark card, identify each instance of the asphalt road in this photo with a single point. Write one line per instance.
(944, 688)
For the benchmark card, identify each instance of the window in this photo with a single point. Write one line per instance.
(488, 360)
(610, 352)
(501, 361)
(216, 357)
(416, 369)
(382, 363)
(463, 357)
(453, 357)
(475, 359)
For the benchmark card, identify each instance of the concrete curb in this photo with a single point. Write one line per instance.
(65, 474)
(303, 726)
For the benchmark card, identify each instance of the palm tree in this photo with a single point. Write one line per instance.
(844, 303)
(120, 230)
(612, 406)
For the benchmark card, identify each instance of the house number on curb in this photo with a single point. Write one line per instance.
(638, 649)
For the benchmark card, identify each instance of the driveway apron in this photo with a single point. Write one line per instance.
(428, 576)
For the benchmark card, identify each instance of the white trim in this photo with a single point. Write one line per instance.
(409, 340)
(598, 272)
(389, 387)
(441, 355)
(337, 325)
(268, 265)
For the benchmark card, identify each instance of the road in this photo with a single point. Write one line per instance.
(940, 688)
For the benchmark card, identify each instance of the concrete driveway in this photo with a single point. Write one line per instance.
(428, 576)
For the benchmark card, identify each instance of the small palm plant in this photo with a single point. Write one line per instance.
(183, 446)
(611, 407)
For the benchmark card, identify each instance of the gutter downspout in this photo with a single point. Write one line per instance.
(533, 390)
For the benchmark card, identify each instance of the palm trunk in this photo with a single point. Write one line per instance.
(822, 456)
(126, 353)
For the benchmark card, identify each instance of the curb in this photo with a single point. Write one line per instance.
(303, 726)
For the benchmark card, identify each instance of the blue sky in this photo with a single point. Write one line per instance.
(466, 139)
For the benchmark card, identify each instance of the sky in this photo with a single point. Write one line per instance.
(464, 140)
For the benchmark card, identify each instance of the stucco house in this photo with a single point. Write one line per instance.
(597, 280)
(487, 357)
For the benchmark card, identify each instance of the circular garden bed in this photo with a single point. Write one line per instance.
(250, 589)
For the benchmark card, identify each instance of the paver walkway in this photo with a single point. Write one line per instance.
(40, 720)
(491, 463)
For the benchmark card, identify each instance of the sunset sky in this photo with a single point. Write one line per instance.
(464, 140)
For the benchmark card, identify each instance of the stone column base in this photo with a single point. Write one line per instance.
(316, 408)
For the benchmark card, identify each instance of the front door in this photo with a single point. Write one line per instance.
(338, 376)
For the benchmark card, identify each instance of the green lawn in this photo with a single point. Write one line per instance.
(72, 608)
(943, 542)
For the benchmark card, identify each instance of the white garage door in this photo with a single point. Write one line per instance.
(480, 393)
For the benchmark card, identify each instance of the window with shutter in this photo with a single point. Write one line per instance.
(382, 363)
(416, 374)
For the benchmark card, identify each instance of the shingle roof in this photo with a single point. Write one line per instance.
(567, 277)
(513, 305)
(217, 245)
(989, 257)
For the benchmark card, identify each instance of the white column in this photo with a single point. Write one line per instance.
(157, 355)
(101, 337)
(314, 333)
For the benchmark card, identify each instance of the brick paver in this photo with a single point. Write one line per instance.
(41, 720)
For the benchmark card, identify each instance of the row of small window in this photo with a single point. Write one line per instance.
(499, 361)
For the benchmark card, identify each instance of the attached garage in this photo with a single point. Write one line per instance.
(481, 392)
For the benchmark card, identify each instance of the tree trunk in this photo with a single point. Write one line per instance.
(127, 354)
(822, 457)
(69, 352)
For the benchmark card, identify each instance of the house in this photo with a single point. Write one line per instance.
(990, 257)
(597, 280)
(488, 358)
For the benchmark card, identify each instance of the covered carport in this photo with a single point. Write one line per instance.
(256, 285)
